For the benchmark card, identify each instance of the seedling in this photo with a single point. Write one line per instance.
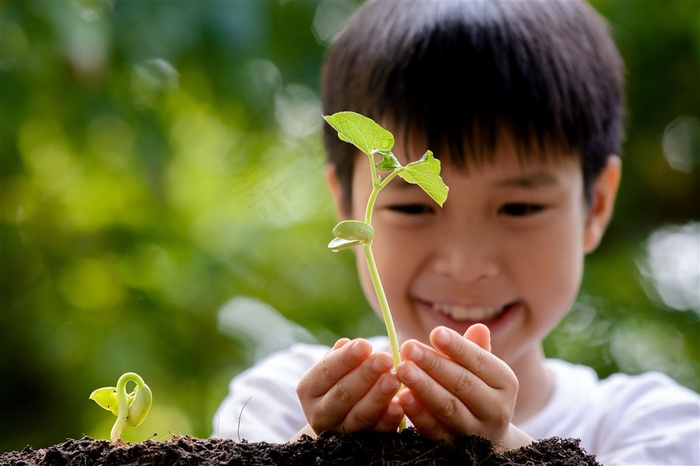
(130, 408)
(373, 140)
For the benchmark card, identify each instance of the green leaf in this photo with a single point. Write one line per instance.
(389, 161)
(361, 131)
(139, 405)
(107, 398)
(426, 174)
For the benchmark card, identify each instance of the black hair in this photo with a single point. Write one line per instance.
(459, 73)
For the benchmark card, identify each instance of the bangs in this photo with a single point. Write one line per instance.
(461, 75)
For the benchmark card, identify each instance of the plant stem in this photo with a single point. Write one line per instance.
(386, 313)
(383, 305)
(123, 404)
(378, 184)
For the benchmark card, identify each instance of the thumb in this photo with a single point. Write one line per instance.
(479, 334)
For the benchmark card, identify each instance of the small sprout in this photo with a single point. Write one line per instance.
(373, 140)
(130, 408)
(349, 233)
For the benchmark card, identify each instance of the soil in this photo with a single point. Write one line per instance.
(362, 448)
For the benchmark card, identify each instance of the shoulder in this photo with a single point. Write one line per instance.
(653, 400)
(651, 386)
(623, 393)
(618, 386)
(631, 418)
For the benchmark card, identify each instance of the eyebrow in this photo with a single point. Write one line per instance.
(530, 180)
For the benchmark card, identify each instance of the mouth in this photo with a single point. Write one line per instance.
(468, 314)
(461, 317)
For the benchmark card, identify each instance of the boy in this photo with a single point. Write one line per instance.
(523, 104)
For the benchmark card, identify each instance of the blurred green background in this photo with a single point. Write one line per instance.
(159, 159)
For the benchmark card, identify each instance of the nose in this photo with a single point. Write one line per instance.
(466, 254)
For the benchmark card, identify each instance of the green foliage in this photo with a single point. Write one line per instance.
(158, 159)
(350, 233)
(426, 173)
(130, 408)
(362, 132)
(365, 134)
(372, 139)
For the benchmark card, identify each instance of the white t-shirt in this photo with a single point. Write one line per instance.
(644, 420)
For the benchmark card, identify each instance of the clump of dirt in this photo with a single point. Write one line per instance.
(361, 448)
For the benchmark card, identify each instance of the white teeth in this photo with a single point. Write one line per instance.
(467, 313)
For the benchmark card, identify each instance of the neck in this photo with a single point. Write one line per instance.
(536, 384)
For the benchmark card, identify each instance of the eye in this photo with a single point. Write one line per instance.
(520, 210)
(411, 209)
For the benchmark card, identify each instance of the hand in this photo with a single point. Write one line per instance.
(458, 387)
(351, 389)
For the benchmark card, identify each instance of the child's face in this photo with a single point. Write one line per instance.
(506, 249)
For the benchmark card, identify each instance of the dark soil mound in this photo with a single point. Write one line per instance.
(362, 448)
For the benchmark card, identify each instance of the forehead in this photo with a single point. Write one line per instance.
(504, 150)
(504, 169)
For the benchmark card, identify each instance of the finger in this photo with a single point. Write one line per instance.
(340, 343)
(341, 399)
(391, 417)
(447, 409)
(456, 379)
(479, 334)
(487, 367)
(371, 408)
(454, 394)
(422, 419)
(345, 357)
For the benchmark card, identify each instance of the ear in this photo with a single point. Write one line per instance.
(336, 191)
(602, 202)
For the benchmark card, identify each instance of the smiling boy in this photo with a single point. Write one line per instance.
(523, 104)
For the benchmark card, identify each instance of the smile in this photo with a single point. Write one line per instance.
(471, 314)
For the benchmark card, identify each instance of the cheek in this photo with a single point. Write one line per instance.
(565, 277)
(554, 270)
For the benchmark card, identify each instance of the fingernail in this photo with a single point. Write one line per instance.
(416, 353)
(442, 336)
(340, 343)
(379, 366)
(358, 350)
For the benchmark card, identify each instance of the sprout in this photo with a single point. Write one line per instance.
(130, 408)
(374, 140)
